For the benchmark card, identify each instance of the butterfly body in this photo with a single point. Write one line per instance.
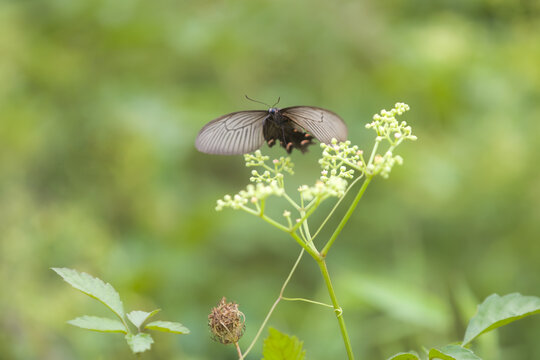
(277, 127)
(246, 131)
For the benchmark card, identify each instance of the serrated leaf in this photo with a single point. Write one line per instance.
(452, 352)
(279, 346)
(98, 324)
(140, 342)
(138, 317)
(93, 287)
(497, 311)
(404, 356)
(167, 326)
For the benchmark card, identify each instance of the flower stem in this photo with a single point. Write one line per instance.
(279, 298)
(309, 247)
(337, 308)
(306, 215)
(346, 217)
(306, 300)
(335, 207)
(240, 356)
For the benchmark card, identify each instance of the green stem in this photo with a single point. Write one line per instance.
(337, 308)
(273, 222)
(261, 208)
(307, 246)
(279, 298)
(372, 156)
(307, 300)
(346, 217)
(291, 201)
(307, 214)
(335, 207)
(306, 231)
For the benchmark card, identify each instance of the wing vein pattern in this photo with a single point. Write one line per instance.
(236, 133)
(321, 123)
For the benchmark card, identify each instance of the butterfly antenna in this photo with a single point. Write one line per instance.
(260, 102)
(277, 102)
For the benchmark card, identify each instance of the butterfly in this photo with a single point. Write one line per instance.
(293, 127)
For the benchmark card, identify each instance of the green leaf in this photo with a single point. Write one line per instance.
(138, 317)
(168, 326)
(404, 356)
(497, 311)
(452, 352)
(140, 342)
(98, 324)
(93, 287)
(279, 346)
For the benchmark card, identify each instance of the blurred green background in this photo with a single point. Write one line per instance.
(100, 103)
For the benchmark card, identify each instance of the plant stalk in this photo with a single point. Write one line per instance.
(346, 217)
(337, 308)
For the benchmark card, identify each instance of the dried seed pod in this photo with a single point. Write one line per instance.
(226, 322)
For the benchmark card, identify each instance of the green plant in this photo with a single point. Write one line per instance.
(138, 341)
(493, 313)
(342, 166)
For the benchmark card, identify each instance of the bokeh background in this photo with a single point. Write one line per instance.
(100, 103)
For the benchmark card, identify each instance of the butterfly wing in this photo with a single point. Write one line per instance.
(321, 123)
(232, 134)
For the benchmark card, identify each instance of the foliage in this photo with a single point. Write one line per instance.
(340, 163)
(100, 102)
(494, 312)
(279, 346)
(497, 311)
(138, 342)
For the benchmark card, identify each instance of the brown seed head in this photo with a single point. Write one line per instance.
(226, 322)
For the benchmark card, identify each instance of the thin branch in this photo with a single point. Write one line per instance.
(287, 280)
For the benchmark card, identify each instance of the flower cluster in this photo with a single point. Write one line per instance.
(387, 126)
(255, 159)
(334, 186)
(281, 165)
(337, 157)
(340, 163)
(253, 194)
(268, 182)
(382, 165)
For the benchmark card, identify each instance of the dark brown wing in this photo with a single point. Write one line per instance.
(236, 133)
(321, 123)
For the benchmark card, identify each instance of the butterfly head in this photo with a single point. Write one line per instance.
(273, 110)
